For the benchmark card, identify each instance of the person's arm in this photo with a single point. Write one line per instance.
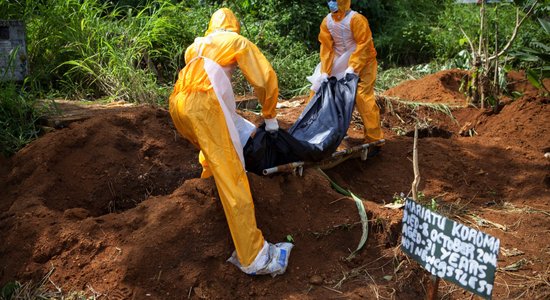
(259, 73)
(327, 51)
(362, 35)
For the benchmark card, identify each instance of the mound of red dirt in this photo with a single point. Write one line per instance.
(112, 203)
(441, 87)
(523, 121)
(518, 82)
(115, 205)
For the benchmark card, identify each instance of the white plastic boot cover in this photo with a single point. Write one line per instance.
(272, 259)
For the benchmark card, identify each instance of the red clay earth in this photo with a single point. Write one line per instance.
(114, 206)
(442, 87)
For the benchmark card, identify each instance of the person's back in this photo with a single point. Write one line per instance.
(223, 45)
(220, 47)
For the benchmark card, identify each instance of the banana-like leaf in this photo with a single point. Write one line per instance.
(533, 78)
(362, 213)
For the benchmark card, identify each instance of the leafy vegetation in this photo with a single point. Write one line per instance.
(487, 78)
(18, 119)
(132, 50)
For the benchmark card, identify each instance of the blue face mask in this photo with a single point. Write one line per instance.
(332, 5)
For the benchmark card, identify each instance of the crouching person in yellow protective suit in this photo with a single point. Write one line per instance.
(347, 47)
(202, 107)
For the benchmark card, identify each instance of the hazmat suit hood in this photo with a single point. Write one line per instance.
(224, 19)
(343, 7)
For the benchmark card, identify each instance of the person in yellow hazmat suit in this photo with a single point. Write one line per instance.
(347, 47)
(202, 107)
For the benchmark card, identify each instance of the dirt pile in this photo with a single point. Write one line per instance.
(115, 206)
(441, 87)
(112, 205)
(517, 82)
(105, 164)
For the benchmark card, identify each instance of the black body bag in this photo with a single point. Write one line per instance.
(316, 134)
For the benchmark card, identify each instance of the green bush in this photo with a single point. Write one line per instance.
(401, 28)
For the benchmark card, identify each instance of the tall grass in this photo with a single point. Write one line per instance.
(94, 49)
(112, 50)
(111, 57)
(18, 118)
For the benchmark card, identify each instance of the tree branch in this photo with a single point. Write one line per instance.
(416, 180)
(472, 47)
(515, 32)
(481, 27)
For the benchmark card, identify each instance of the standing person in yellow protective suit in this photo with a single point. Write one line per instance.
(202, 107)
(347, 47)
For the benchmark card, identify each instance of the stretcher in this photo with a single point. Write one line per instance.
(335, 159)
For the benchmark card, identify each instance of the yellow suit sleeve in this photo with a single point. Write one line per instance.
(259, 73)
(327, 51)
(365, 52)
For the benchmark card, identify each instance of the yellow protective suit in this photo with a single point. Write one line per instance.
(362, 60)
(198, 116)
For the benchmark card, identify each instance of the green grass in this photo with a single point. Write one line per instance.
(18, 119)
(91, 49)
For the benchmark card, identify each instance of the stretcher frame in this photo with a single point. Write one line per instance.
(338, 157)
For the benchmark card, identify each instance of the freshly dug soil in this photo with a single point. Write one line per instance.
(114, 205)
(441, 87)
